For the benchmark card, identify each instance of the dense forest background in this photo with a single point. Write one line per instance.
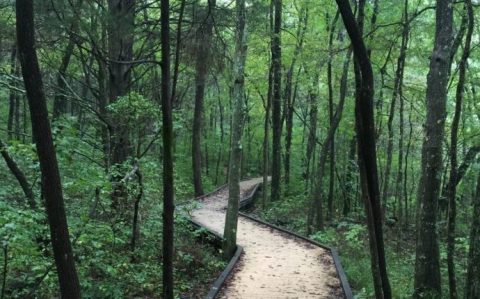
(101, 62)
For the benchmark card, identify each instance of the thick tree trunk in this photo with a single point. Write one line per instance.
(427, 282)
(230, 233)
(167, 173)
(51, 183)
(365, 128)
(120, 32)
(472, 289)
(451, 191)
(276, 101)
(204, 36)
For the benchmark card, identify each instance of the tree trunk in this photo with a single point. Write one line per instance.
(289, 97)
(312, 127)
(427, 282)
(167, 174)
(19, 175)
(178, 46)
(400, 75)
(326, 146)
(331, 185)
(51, 183)
(266, 138)
(472, 289)
(120, 51)
(12, 97)
(367, 160)
(451, 191)
(276, 100)
(349, 178)
(60, 100)
(230, 233)
(204, 37)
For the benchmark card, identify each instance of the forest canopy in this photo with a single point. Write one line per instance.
(356, 124)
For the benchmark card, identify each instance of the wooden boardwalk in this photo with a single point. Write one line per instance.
(274, 264)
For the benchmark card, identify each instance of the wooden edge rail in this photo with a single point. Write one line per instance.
(218, 283)
(245, 202)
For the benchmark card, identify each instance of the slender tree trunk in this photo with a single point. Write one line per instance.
(266, 138)
(400, 75)
(365, 128)
(60, 100)
(472, 289)
(427, 282)
(230, 233)
(276, 101)
(51, 183)
(167, 175)
(289, 97)
(12, 97)
(136, 212)
(451, 192)
(349, 178)
(17, 109)
(178, 46)
(331, 185)
(326, 146)
(19, 175)
(312, 127)
(204, 36)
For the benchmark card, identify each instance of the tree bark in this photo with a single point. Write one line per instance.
(472, 289)
(427, 281)
(12, 97)
(276, 100)
(400, 75)
(167, 174)
(60, 100)
(451, 191)
(51, 183)
(312, 127)
(204, 37)
(289, 96)
(230, 233)
(331, 185)
(19, 175)
(266, 138)
(367, 160)
(120, 32)
(178, 45)
(326, 146)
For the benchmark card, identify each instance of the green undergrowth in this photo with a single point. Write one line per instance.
(106, 266)
(349, 235)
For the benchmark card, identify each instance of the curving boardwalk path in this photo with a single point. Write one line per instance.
(274, 264)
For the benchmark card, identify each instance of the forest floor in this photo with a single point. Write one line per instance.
(274, 264)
